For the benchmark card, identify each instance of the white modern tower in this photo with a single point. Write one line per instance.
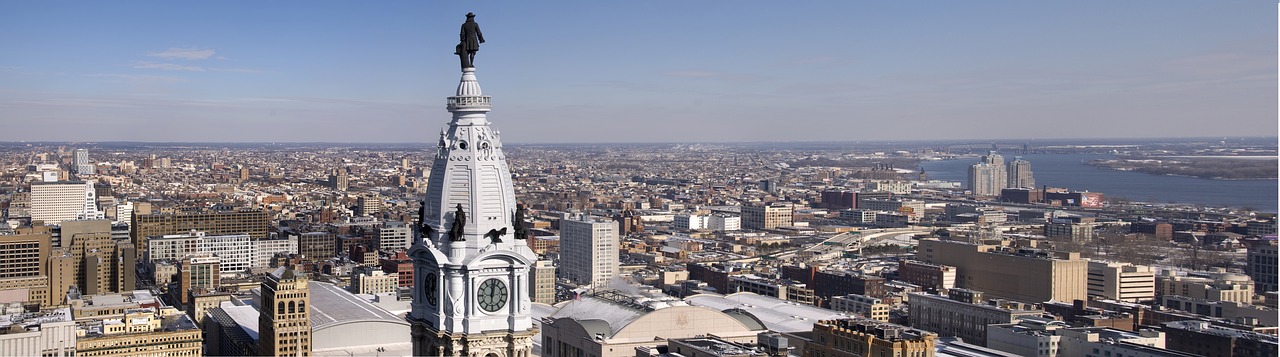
(471, 294)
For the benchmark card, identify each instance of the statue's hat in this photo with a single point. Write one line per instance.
(471, 14)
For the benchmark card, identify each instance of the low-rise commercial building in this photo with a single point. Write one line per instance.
(1204, 339)
(963, 313)
(860, 337)
(1215, 286)
(865, 306)
(1122, 282)
(141, 332)
(50, 333)
(1030, 336)
(930, 277)
(370, 280)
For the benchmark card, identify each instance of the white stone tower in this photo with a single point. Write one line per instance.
(471, 289)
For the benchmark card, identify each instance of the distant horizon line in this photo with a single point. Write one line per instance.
(970, 141)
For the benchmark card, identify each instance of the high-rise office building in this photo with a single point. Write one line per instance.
(339, 181)
(284, 320)
(724, 222)
(542, 282)
(369, 204)
(394, 236)
(199, 272)
(265, 249)
(471, 266)
(988, 177)
(588, 250)
(1262, 264)
(55, 202)
(82, 163)
(253, 222)
(1022, 274)
(318, 245)
(23, 266)
(769, 216)
(1019, 172)
(236, 251)
(102, 264)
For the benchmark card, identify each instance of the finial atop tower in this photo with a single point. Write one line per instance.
(469, 42)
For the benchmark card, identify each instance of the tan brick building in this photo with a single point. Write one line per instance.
(1022, 274)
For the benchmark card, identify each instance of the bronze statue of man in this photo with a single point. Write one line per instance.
(459, 221)
(470, 39)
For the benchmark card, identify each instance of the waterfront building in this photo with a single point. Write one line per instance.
(1020, 176)
(988, 177)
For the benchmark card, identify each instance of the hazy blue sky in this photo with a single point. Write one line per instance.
(639, 71)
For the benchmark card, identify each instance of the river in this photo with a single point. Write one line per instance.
(1069, 171)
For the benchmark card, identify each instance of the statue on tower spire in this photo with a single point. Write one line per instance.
(469, 41)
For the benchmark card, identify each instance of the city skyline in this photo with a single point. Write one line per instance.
(642, 72)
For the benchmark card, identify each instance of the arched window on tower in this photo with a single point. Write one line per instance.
(291, 307)
(280, 308)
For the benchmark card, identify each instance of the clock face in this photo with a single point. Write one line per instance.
(492, 295)
(433, 291)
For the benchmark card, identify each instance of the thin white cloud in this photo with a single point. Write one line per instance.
(166, 66)
(717, 75)
(694, 74)
(184, 53)
(234, 70)
(147, 79)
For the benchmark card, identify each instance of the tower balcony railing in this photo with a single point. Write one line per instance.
(469, 102)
